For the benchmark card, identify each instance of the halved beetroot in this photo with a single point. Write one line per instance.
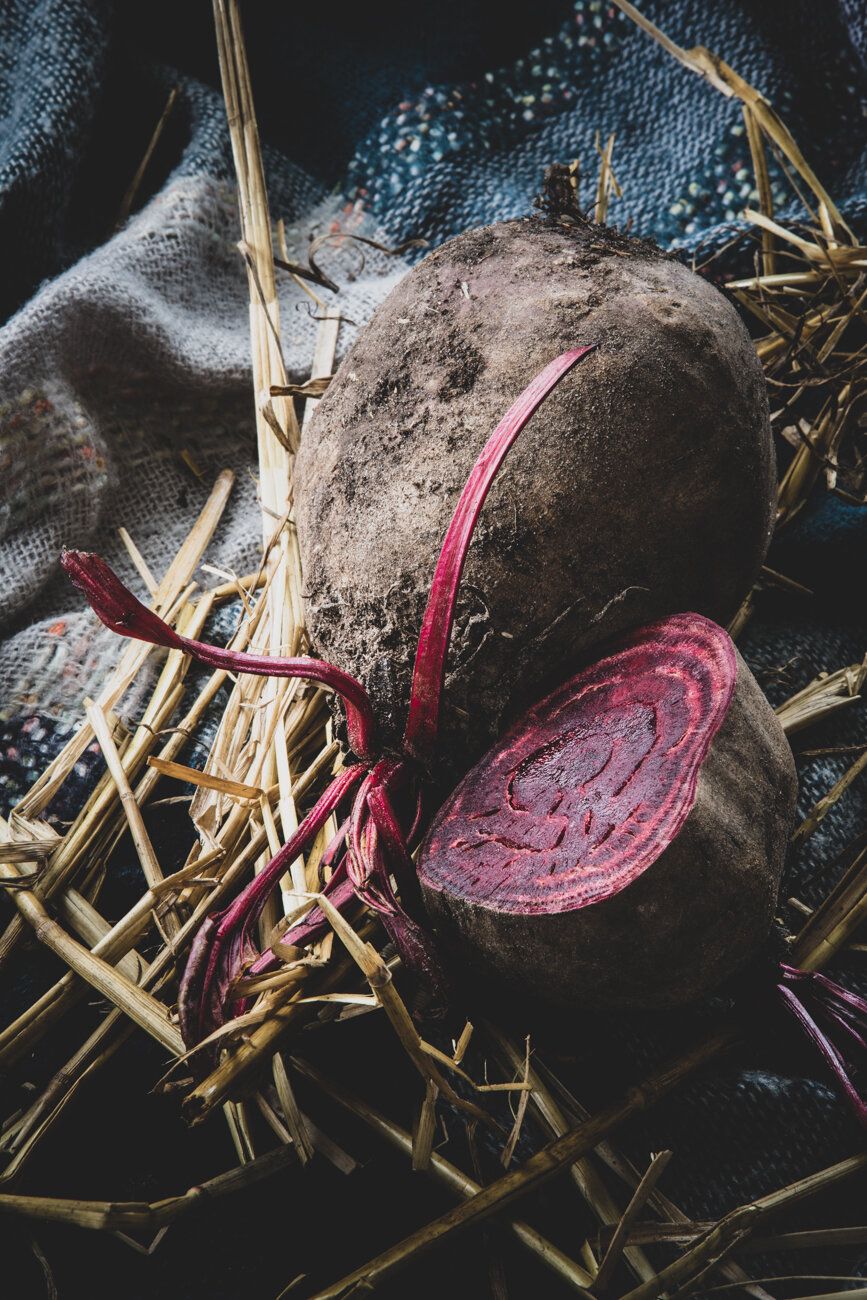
(622, 845)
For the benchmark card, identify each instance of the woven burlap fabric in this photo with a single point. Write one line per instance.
(123, 348)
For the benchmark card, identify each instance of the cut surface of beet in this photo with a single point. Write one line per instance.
(592, 784)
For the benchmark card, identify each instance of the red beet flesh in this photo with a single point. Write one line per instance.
(601, 854)
(583, 795)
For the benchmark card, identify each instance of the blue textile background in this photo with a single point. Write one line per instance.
(428, 119)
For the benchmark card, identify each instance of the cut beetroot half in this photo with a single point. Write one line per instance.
(622, 844)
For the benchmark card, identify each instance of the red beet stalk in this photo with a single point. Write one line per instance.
(224, 944)
(121, 611)
(583, 797)
(835, 1021)
(420, 739)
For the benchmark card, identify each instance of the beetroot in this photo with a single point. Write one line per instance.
(622, 845)
(662, 727)
(660, 773)
(645, 486)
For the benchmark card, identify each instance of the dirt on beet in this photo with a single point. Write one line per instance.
(644, 486)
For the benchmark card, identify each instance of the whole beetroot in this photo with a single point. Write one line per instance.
(644, 487)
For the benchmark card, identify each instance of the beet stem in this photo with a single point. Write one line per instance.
(123, 613)
(248, 905)
(396, 848)
(420, 738)
(220, 947)
(795, 987)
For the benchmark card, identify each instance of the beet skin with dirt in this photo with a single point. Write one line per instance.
(644, 486)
